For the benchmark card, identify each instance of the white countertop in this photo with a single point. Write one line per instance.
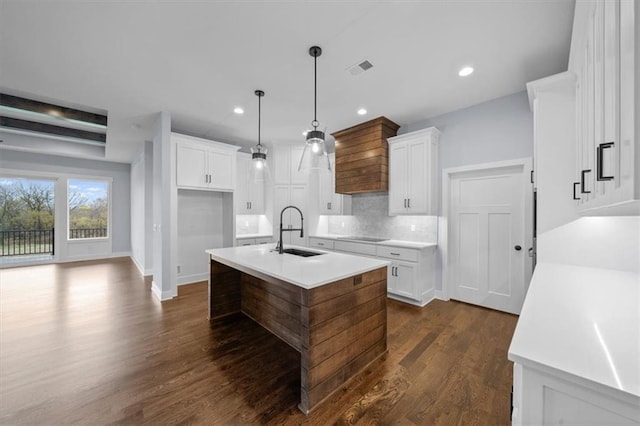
(391, 243)
(584, 322)
(306, 272)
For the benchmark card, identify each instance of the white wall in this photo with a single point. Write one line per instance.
(200, 227)
(142, 210)
(597, 242)
(63, 166)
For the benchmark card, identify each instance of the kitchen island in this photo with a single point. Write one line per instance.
(331, 308)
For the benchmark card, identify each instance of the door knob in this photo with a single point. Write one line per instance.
(518, 248)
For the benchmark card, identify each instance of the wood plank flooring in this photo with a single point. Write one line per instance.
(87, 343)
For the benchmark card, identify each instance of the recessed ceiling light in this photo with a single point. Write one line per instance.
(362, 111)
(465, 71)
(238, 110)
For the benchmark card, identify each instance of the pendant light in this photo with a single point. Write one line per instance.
(259, 166)
(315, 156)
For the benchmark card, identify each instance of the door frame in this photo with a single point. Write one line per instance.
(443, 224)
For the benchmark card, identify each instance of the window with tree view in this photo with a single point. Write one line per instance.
(88, 202)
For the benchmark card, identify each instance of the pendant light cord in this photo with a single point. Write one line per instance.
(259, 115)
(315, 92)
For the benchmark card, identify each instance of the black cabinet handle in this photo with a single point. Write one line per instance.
(395, 254)
(582, 181)
(409, 202)
(575, 184)
(405, 203)
(518, 248)
(531, 176)
(599, 154)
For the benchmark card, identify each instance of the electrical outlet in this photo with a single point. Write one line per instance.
(179, 268)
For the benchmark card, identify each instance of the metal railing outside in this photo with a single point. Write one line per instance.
(21, 242)
(80, 233)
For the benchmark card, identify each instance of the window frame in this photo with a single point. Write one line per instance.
(109, 182)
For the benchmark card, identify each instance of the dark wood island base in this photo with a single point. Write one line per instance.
(339, 328)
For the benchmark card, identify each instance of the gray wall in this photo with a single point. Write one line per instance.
(119, 172)
(501, 129)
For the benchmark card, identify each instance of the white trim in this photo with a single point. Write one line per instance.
(161, 296)
(143, 272)
(193, 278)
(443, 226)
(410, 301)
(440, 295)
(95, 257)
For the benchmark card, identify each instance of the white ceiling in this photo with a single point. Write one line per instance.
(199, 59)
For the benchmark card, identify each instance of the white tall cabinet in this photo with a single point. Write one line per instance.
(603, 59)
(202, 164)
(249, 195)
(413, 172)
(290, 189)
(331, 203)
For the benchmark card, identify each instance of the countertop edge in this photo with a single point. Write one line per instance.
(417, 245)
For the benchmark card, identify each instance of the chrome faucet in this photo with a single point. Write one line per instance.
(301, 229)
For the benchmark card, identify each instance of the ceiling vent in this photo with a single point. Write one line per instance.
(360, 67)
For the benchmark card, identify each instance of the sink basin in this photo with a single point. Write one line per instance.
(303, 253)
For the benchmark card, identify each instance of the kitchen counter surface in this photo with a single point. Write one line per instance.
(584, 322)
(391, 243)
(306, 272)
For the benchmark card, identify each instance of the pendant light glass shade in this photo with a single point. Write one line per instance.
(259, 166)
(315, 155)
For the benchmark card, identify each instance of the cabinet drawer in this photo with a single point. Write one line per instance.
(351, 247)
(245, 242)
(264, 240)
(321, 243)
(398, 253)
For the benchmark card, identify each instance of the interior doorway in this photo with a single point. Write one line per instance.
(489, 234)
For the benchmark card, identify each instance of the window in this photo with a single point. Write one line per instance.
(88, 202)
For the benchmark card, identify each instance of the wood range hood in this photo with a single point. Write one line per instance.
(362, 156)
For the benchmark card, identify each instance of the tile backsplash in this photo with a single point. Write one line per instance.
(247, 224)
(371, 218)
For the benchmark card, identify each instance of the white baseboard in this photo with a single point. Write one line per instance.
(193, 278)
(409, 301)
(440, 295)
(144, 272)
(161, 296)
(95, 257)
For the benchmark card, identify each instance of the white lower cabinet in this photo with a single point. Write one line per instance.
(321, 243)
(410, 275)
(253, 241)
(541, 397)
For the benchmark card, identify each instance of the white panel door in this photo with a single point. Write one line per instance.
(241, 193)
(298, 199)
(191, 167)
(296, 156)
(417, 181)
(487, 238)
(398, 178)
(221, 170)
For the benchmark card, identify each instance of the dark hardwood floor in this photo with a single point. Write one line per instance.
(87, 343)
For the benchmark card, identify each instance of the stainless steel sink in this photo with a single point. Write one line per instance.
(366, 239)
(303, 253)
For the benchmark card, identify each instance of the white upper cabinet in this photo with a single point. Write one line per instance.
(286, 160)
(249, 195)
(330, 202)
(202, 164)
(413, 168)
(602, 57)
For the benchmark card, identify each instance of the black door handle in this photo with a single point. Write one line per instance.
(518, 248)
